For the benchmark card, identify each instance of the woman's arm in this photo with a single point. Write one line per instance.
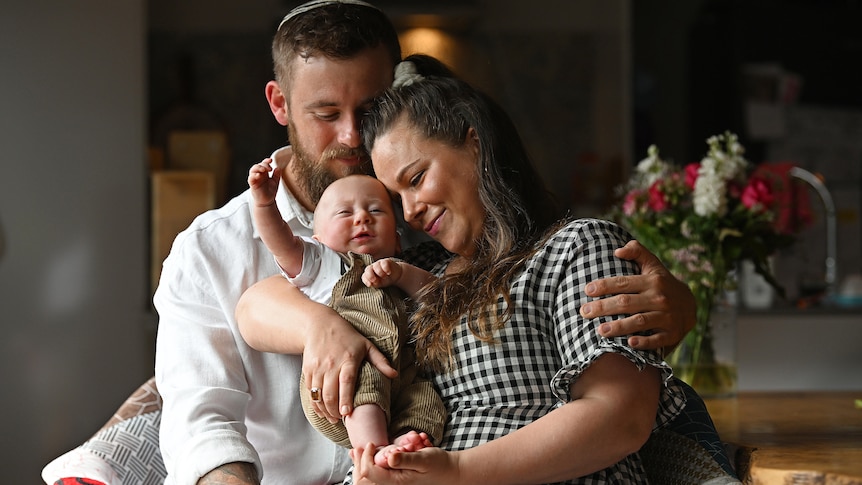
(275, 316)
(655, 299)
(611, 416)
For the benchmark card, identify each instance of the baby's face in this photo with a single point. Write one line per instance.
(355, 214)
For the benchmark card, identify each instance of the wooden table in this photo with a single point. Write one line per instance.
(797, 438)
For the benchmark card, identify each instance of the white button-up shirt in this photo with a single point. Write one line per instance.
(223, 401)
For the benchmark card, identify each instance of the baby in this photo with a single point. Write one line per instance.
(348, 265)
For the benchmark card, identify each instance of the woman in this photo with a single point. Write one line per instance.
(533, 393)
(564, 402)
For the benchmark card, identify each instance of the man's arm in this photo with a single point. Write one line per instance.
(198, 363)
(656, 301)
(231, 474)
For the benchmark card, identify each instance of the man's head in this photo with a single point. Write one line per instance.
(331, 28)
(331, 58)
(355, 213)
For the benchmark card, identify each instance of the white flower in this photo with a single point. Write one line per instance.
(727, 163)
(708, 166)
(709, 196)
(718, 166)
(685, 230)
(651, 168)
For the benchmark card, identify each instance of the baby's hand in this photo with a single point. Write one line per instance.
(264, 185)
(382, 273)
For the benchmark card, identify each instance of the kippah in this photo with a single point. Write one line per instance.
(305, 7)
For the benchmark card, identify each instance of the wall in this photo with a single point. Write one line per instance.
(798, 351)
(660, 65)
(73, 298)
(562, 69)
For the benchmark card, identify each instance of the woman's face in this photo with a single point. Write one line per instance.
(437, 184)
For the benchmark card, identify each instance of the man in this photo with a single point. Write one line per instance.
(232, 415)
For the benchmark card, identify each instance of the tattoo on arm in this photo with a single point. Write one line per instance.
(238, 473)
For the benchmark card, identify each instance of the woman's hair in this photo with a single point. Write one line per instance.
(518, 207)
(336, 31)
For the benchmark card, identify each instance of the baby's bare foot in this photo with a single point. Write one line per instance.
(413, 441)
(410, 441)
(381, 458)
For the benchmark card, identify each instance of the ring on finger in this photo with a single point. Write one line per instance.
(315, 394)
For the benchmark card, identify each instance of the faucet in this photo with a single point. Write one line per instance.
(831, 230)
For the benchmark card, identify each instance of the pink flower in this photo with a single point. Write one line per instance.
(631, 202)
(691, 174)
(657, 200)
(734, 189)
(757, 195)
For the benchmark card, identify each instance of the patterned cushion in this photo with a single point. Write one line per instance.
(125, 451)
(670, 458)
(689, 451)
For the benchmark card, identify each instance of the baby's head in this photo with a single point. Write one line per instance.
(355, 213)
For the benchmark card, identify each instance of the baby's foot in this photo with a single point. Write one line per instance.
(381, 458)
(410, 441)
(413, 441)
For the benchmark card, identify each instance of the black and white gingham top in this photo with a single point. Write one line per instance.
(496, 388)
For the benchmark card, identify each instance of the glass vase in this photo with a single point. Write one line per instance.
(706, 358)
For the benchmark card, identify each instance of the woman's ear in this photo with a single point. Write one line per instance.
(277, 100)
(473, 141)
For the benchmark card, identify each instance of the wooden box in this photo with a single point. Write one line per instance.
(177, 197)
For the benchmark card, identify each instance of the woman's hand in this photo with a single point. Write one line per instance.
(657, 302)
(411, 467)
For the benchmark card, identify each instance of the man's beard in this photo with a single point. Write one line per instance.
(312, 176)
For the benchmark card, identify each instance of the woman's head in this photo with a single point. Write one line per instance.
(436, 182)
(464, 177)
(438, 116)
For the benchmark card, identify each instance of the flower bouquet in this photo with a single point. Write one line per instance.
(702, 220)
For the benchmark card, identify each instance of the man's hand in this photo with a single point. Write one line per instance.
(238, 473)
(334, 353)
(657, 302)
(275, 316)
